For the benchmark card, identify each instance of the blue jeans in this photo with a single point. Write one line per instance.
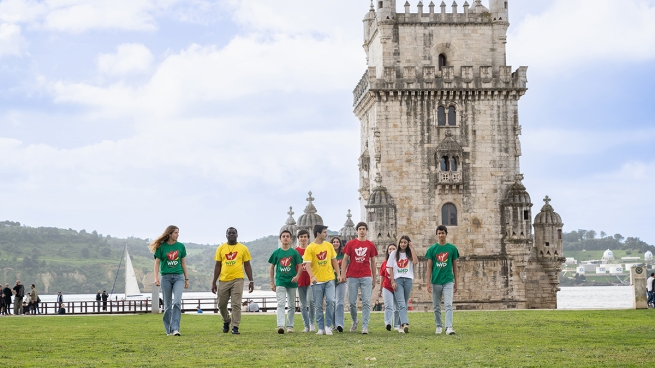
(172, 286)
(324, 291)
(307, 308)
(651, 296)
(391, 315)
(340, 290)
(447, 290)
(403, 290)
(365, 285)
(285, 295)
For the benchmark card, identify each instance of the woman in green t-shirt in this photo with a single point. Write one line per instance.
(170, 262)
(340, 289)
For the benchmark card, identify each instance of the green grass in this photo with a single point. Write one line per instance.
(483, 339)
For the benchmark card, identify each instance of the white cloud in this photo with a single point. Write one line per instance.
(129, 58)
(571, 33)
(619, 201)
(11, 41)
(582, 142)
(246, 66)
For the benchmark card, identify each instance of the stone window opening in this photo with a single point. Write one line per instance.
(547, 244)
(452, 116)
(371, 216)
(559, 234)
(526, 215)
(381, 4)
(442, 61)
(441, 116)
(448, 163)
(449, 215)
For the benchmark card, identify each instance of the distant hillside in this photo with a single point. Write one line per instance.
(83, 262)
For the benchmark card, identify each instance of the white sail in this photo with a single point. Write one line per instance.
(131, 285)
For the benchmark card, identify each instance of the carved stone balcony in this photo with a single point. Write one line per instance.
(449, 177)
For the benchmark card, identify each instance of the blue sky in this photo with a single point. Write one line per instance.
(125, 116)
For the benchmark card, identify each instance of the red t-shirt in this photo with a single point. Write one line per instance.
(303, 280)
(360, 253)
(386, 281)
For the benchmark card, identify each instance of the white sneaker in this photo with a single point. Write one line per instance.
(450, 331)
(176, 333)
(400, 329)
(438, 331)
(289, 330)
(305, 329)
(353, 328)
(364, 330)
(328, 331)
(312, 328)
(321, 332)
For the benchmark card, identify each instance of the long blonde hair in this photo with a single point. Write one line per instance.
(162, 238)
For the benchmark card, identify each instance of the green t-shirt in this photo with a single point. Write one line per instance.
(339, 262)
(285, 262)
(170, 258)
(442, 257)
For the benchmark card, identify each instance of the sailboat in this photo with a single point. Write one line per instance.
(131, 284)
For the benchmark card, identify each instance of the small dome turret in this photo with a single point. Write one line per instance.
(517, 193)
(290, 225)
(348, 231)
(548, 216)
(310, 218)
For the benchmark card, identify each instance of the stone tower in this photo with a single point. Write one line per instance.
(546, 259)
(438, 109)
(290, 226)
(348, 232)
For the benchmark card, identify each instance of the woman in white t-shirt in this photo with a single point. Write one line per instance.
(401, 270)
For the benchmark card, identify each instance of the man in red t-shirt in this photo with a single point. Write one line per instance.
(358, 267)
(305, 294)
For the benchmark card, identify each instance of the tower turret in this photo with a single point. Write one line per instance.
(348, 231)
(499, 11)
(290, 226)
(381, 211)
(310, 218)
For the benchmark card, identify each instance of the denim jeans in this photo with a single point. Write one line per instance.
(651, 297)
(283, 295)
(321, 292)
(172, 286)
(307, 308)
(391, 315)
(447, 290)
(365, 285)
(340, 291)
(403, 290)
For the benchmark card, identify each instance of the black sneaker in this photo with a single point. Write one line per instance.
(339, 328)
(235, 330)
(388, 327)
(226, 327)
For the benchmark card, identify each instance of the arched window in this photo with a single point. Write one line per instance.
(444, 164)
(449, 215)
(441, 116)
(453, 164)
(452, 118)
(442, 61)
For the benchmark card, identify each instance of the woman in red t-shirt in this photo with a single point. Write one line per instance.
(386, 292)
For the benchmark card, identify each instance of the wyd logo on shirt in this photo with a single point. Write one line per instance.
(443, 260)
(402, 265)
(321, 258)
(231, 258)
(285, 264)
(173, 258)
(360, 255)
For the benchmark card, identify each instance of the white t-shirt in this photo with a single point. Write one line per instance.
(403, 268)
(649, 283)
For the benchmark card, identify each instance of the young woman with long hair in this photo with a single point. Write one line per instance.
(391, 316)
(401, 270)
(170, 263)
(340, 289)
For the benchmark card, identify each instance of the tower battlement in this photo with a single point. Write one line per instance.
(448, 14)
(428, 78)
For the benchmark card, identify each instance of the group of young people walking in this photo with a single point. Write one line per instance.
(319, 273)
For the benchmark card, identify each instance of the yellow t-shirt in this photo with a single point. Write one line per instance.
(232, 258)
(320, 256)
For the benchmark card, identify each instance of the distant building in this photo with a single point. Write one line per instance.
(648, 256)
(630, 259)
(608, 256)
(571, 261)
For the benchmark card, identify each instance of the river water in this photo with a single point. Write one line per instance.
(580, 297)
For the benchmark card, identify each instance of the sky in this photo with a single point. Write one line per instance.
(125, 116)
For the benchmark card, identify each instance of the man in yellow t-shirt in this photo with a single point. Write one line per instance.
(231, 260)
(322, 261)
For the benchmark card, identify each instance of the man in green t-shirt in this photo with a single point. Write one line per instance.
(442, 273)
(286, 264)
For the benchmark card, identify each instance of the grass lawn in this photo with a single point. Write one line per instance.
(490, 338)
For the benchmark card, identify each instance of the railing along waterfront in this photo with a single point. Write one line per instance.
(132, 306)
